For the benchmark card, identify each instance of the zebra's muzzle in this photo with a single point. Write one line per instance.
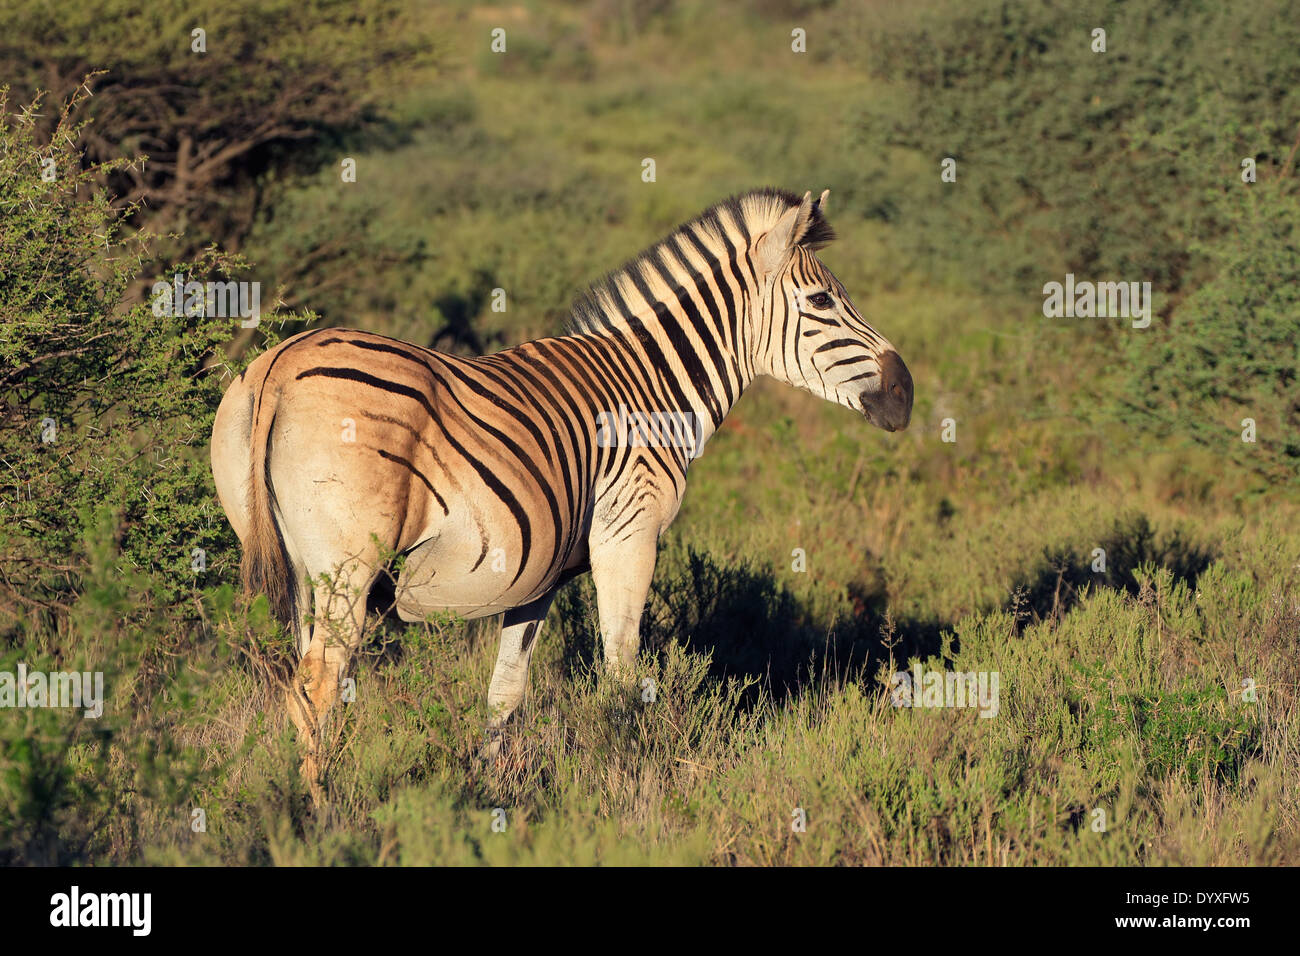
(890, 407)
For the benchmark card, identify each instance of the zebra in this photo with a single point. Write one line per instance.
(498, 478)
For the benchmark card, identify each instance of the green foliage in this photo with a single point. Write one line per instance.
(75, 785)
(1231, 350)
(1193, 731)
(272, 75)
(103, 406)
(1101, 164)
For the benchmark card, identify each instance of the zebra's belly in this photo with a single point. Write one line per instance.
(465, 570)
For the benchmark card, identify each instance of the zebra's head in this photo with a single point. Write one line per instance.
(810, 334)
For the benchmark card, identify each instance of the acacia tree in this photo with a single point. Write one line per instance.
(105, 408)
(212, 93)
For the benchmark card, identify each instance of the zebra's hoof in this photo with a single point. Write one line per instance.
(491, 749)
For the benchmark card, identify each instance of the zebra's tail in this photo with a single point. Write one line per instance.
(266, 567)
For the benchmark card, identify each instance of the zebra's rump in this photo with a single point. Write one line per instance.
(471, 466)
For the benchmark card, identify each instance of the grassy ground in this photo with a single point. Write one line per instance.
(1147, 711)
(1123, 712)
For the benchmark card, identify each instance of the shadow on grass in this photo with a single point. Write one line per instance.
(750, 624)
(1056, 584)
(753, 626)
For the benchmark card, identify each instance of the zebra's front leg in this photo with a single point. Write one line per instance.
(622, 572)
(519, 630)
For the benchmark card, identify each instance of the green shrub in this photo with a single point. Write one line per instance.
(273, 75)
(1101, 164)
(103, 405)
(1231, 350)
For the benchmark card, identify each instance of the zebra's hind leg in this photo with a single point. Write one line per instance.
(303, 626)
(519, 632)
(340, 609)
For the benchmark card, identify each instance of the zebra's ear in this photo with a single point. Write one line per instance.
(821, 202)
(775, 247)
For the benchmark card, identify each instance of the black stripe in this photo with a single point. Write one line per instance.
(707, 333)
(400, 349)
(837, 344)
(352, 375)
(857, 377)
(574, 486)
(530, 632)
(398, 459)
(638, 511)
(542, 485)
(851, 360)
(658, 361)
(483, 539)
(500, 490)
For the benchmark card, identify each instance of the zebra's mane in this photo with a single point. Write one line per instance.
(737, 217)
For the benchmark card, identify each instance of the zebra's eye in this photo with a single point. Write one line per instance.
(819, 300)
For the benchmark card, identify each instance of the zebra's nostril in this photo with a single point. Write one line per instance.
(896, 386)
(895, 377)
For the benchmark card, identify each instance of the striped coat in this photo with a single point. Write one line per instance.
(500, 477)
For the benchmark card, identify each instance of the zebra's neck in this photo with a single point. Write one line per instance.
(686, 351)
(684, 310)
